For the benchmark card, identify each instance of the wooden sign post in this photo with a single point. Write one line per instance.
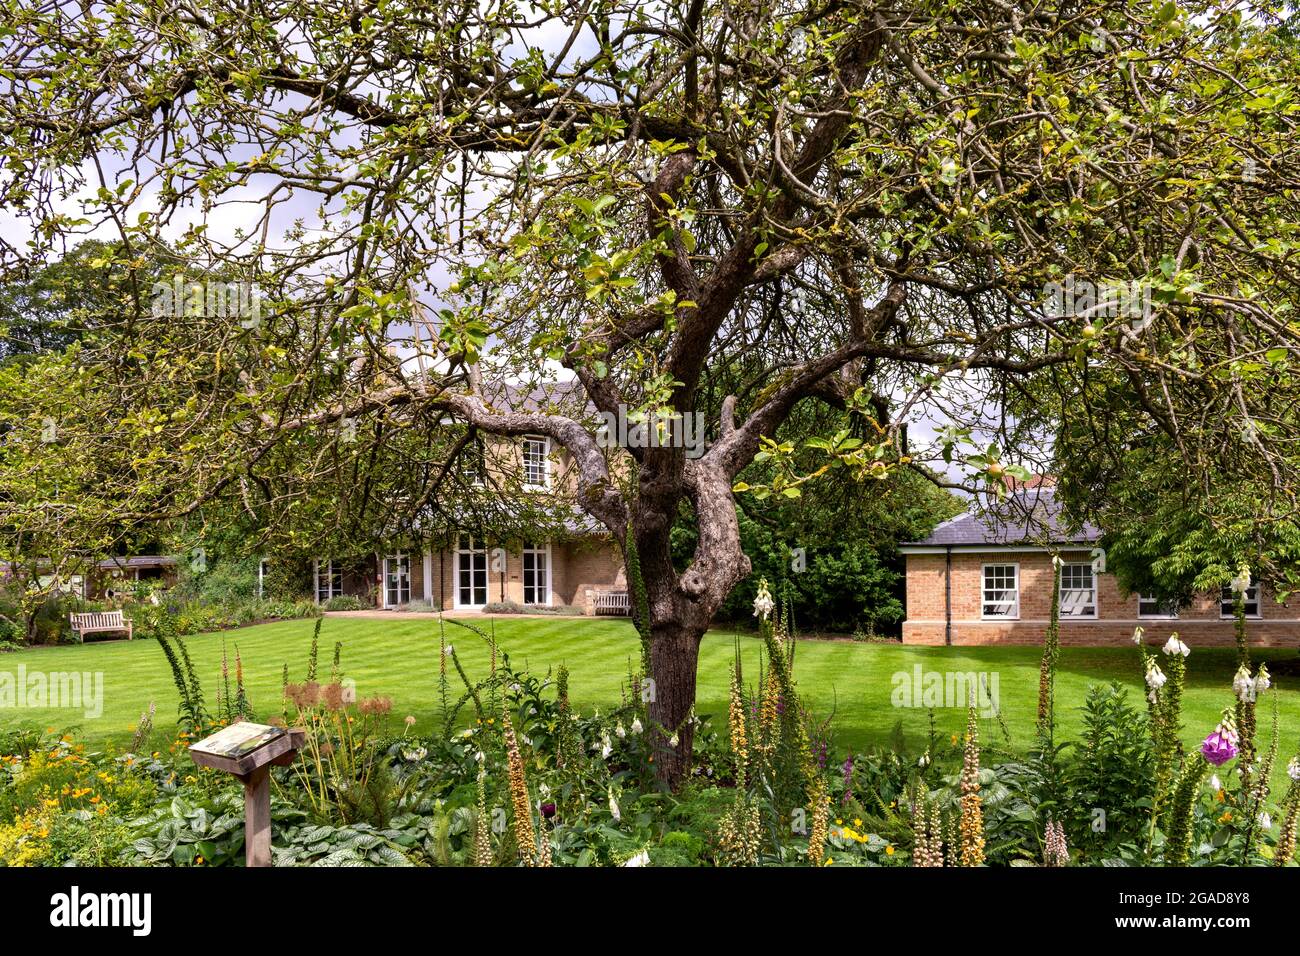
(249, 751)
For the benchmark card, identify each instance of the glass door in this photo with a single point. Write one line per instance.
(471, 574)
(397, 580)
(537, 574)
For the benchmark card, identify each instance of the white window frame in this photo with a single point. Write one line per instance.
(1158, 615)
(333, 577)
(262, 564)
(399, 557)
(544, 466)
(984, 591)
(532, 550)
(1092, 576)
(467, 547)
(1227, 599)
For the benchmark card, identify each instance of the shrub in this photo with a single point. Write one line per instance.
(502, 607)
(346, 602)
(560, 610)
(1114, 769)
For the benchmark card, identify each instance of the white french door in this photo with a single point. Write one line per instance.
(397, 580)
(537, 574)
(471, 573)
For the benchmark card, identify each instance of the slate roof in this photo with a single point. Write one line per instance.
(567, 395)
(1028, 517)
(140, 561)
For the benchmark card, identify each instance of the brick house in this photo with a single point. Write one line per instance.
(577, 565)
(981, 579)
(585, 571)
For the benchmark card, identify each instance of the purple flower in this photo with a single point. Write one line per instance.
(548, 810)
(1220, 746)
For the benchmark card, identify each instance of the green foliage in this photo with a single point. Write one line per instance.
(637, 593)
(1051, 654)
(1112, 771)
(193, 715)
(346, 602)
(849, 573)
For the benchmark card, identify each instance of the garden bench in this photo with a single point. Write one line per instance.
(95, 622)
(611, 602)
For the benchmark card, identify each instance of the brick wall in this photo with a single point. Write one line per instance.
(1117, 613)
(577, 569)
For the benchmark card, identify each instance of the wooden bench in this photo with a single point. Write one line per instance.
(611, 602)
(96, 622)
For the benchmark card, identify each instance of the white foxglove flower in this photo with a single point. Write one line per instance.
(1293, 769)
(620, 732)
(1243, 685)
(1175, 646)
(1241, 583)
(479, 756)
(763, 603)
(1266, 821)
(1057, 562)
(673, 741)
(605, 747)
(613, 808)
(641, 859)
(1155, 677)
(448, 650)
(924, 761)
(1262, 681)
(1215, 783)
(528, 741)
(636, 725)
(1137, 634)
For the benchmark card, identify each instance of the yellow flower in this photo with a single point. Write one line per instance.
(889, 851)
(857, 821)
(1227, 817)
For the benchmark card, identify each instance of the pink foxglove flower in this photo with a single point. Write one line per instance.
(1220, 746)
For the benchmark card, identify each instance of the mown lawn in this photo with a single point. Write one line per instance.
(397, 657)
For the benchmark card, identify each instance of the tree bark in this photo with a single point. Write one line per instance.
(674, 663)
